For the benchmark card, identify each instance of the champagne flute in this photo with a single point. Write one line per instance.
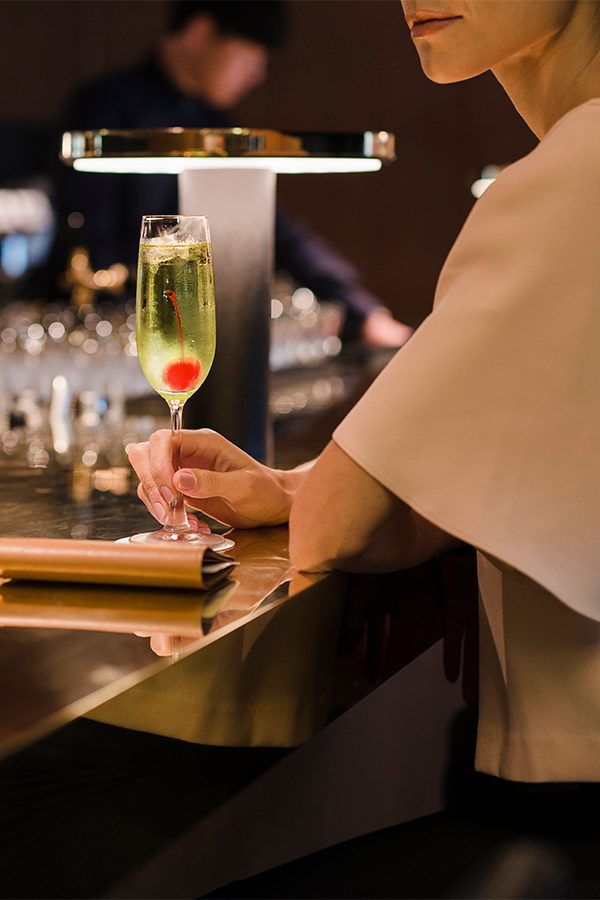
(175, 335)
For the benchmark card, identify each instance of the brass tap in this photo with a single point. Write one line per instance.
(85, 283)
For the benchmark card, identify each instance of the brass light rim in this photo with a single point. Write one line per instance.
(225, 143)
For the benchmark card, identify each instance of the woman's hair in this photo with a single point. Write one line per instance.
(263, 21)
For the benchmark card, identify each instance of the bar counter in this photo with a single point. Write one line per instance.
(82, 639)
(314, 707)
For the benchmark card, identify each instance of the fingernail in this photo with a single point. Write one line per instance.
(159, 511)
(199, 526)
(185, 479)
(167, 495)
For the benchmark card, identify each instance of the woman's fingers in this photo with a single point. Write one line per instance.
(150, 496)
(245, 498)
(215, 477)
(204, 483)
(163, 644)
(144, 498)
(206, 449)
(156, 500)
(213, 496)
(155, 480)
(203, 449)
(160, 458)
(198, 525)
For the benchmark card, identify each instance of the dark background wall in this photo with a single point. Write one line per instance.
(349, 66)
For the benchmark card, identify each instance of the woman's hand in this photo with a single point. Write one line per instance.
(215, 477)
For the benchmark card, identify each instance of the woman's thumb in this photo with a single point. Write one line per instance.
(185, 480)
(202, 482)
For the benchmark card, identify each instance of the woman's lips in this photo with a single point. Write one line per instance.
(430, 26)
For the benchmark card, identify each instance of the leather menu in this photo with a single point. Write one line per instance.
(104, 562)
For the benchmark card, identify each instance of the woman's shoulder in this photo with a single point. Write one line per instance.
(575, 138)
(546, 202)
(569, 151)
(561, 173)
(582, 117)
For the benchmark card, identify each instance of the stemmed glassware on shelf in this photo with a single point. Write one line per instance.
(175, 333)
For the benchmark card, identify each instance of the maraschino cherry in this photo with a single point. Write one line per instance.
(182, 374)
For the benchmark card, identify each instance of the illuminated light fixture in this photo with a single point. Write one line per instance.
(176, 150)
(229, 175)
(282, 166)
(488, 176)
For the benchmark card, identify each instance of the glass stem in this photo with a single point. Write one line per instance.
(176, 519)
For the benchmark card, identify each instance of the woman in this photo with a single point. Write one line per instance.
(485, 428)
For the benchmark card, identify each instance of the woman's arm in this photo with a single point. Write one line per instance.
(342, 518)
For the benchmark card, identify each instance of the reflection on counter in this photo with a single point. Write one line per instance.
(102, 608)
(263, 577)
(308, 650)
(268, 684)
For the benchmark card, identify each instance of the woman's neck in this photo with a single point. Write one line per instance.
(548, 81)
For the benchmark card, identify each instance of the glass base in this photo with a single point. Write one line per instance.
(214, 541)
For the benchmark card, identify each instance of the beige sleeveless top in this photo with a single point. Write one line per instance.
(488, 424)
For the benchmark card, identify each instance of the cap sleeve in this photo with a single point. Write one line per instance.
(487, 422)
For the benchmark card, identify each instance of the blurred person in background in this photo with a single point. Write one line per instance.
(213, 53)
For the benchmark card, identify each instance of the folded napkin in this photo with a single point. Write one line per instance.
(103, 562)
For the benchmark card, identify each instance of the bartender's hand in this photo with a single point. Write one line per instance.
(215, 477)
(380, 329)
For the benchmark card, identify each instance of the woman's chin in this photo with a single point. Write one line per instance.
(441, 73)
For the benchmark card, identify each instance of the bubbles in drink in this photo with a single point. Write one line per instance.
(175, 316)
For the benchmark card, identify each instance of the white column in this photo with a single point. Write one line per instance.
(240, 207)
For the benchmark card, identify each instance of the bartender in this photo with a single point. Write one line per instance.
(211, 56)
